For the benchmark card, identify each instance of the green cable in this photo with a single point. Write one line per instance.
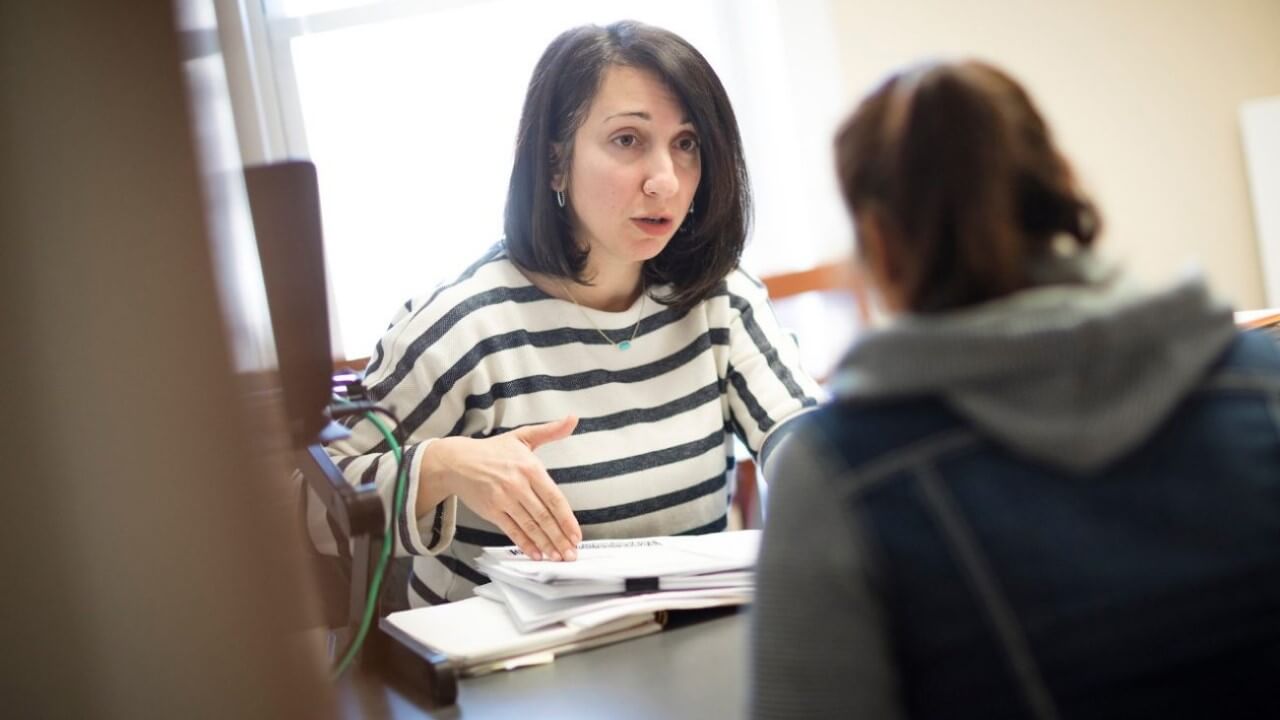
(375, 585)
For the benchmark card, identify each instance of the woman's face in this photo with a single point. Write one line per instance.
(634, 169)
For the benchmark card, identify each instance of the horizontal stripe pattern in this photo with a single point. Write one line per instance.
(636, 463)
(653, 504)
(594, 377)
(709, 393)
(463, 570)
(496, 252)
(655, 441)
(458, 313)
(522, 339)
(717, 525)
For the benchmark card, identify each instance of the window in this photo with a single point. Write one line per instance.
(234, 251)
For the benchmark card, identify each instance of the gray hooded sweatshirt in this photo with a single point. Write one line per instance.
(1074, 373)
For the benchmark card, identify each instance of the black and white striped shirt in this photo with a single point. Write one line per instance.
(653, 448)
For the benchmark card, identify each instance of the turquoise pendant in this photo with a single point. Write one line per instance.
(624, 345)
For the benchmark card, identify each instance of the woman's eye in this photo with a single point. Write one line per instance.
(626, 141)
(687, 144)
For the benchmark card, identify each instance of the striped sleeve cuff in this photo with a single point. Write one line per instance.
(433, 532)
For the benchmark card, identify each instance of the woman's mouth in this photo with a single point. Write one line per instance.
(653, 225)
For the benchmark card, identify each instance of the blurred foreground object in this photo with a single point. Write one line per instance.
(145, 577)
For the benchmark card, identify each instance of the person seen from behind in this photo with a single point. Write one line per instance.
(1040, 491)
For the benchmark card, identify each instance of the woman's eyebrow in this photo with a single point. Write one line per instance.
(630, 113)
(643, 115)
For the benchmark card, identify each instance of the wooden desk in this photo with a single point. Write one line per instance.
(695, 668)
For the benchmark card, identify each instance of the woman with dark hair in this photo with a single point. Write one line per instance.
(1039, 492)
(587, 377)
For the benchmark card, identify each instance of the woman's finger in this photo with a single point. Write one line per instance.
(518, 536)
(531, 528)
(548, 523)
(554, 500)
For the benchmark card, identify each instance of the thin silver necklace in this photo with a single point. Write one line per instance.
(625, 344)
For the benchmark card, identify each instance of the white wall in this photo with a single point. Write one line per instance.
(1260, 123)
(1144, 97)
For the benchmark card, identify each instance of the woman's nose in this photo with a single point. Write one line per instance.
(662, 182)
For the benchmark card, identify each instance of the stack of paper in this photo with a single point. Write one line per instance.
(616, 589)
(613, 578)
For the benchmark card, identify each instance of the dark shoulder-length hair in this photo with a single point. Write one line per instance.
(962, 174)
(539, 236)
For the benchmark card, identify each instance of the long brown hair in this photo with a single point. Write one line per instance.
(566, 79)
(961, 172)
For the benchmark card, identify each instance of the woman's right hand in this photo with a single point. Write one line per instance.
(501, 480)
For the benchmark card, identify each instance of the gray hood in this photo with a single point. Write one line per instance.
(1075, 375)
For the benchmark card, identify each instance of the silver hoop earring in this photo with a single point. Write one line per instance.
(560, 198)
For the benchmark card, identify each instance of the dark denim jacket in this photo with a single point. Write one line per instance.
(1007, 588)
